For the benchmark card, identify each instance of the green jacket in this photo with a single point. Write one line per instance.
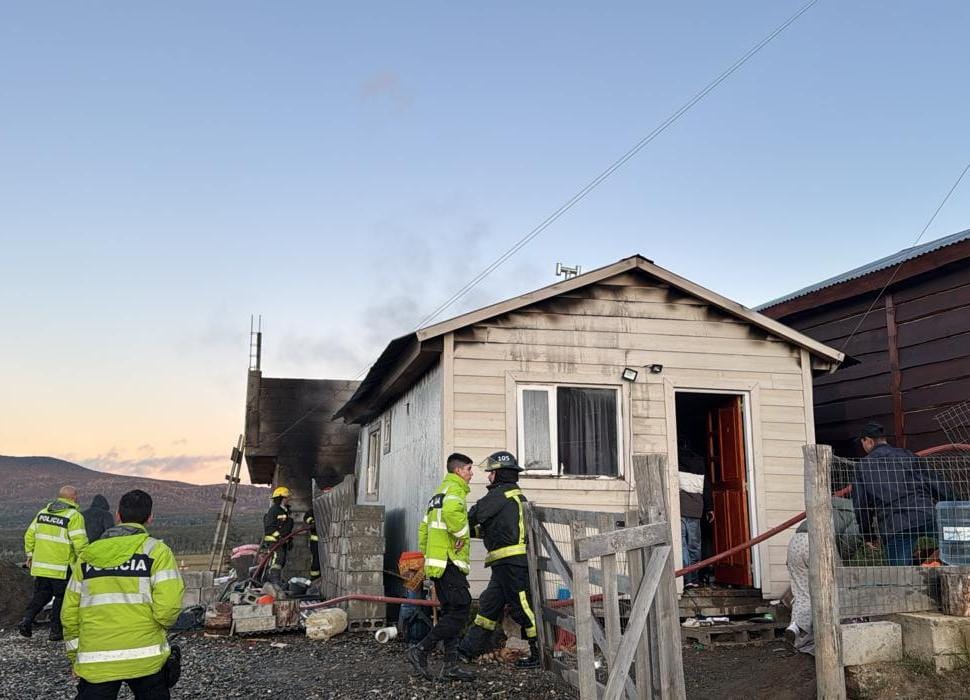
(444, 526)
(54, 539)
(125, 592)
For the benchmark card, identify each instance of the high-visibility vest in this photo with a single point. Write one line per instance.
(125, 592)
(445, 523)
(54, 538)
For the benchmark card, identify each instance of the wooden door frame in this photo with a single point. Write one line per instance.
(750, 393)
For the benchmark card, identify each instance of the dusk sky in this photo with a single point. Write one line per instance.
(168, 169)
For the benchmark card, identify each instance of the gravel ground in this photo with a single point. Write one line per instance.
(349, 666)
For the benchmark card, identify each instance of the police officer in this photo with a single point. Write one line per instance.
(277, 525)
(125, 592)
(443, 538)
(313, 541)
(53, 540)
(499, 519)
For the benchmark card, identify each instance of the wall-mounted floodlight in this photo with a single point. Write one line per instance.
(629, 375)
(655, 369)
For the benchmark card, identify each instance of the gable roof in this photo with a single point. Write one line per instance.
(407, 357)
(899, 258)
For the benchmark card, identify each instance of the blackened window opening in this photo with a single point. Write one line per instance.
(587, 425)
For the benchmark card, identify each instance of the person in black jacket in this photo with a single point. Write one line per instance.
(499, 519)
(97, 518)
(277, 525)
(894, 497)
(313, 540)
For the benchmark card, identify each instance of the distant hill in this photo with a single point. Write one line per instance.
(27, 483)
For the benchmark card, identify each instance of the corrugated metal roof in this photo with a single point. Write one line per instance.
(881, 264)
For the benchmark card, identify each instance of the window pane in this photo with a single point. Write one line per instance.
(587, 431)
(535, 422)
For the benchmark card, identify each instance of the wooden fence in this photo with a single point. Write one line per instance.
(614, 566)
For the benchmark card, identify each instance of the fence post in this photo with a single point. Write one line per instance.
(829, 673)
(650, 473)
(537, 584)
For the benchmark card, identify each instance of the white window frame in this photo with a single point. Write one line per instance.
(551, 389)
(373, 464)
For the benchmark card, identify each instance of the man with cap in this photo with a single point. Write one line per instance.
(893, 489)
(499, 519)
(277, 525)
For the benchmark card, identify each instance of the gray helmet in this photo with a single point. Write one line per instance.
(500, 460)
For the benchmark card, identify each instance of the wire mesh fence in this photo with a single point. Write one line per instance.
(955, 423)
(897, 518)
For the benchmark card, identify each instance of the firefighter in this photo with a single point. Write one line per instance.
(124, 594)
(313, 539)
(53, 541)
(443, 539)
(277, 525)
(499, 519)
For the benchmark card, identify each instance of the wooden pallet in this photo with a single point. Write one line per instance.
(732, 633)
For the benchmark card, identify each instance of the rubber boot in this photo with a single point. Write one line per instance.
(452, 670)
(56, 633)
(418, 656)
(533, 659)
(26, 627)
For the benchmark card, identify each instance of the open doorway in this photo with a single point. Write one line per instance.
(710, 430)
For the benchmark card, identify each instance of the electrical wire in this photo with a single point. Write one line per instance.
(903, 262)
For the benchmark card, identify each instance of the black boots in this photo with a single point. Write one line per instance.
(25, 627)
(418, 656)
(452, 670)
(533, 659)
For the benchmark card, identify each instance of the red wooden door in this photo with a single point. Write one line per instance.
(730, 491)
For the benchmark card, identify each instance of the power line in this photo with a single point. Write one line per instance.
(616, 165)
(596, 181)
(902, 262)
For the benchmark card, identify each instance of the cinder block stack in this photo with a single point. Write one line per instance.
(199, 588)
(355, 550)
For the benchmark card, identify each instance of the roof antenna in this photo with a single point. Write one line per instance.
(568, 272)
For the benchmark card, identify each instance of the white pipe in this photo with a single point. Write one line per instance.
(385, 634)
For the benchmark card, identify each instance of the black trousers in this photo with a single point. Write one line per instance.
(508, 585)
(314, 560)
(456, 601)
(45, 589)
(151, 687)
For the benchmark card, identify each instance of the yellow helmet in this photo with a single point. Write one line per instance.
(281, 491)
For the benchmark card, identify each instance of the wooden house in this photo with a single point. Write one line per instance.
(905, 319)
(577, 377)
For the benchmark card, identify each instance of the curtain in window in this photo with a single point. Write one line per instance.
(587, 431)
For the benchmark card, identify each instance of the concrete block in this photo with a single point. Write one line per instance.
(197, 579)
(209, 594)
(362, 528)
(365, 610)
(191, 596)
(929, 634)
(361, 562)
(871, 642)
(354, 580)
(372, 513)
(361, 545)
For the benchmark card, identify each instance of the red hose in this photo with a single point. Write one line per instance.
(421, 602)
(269, 552)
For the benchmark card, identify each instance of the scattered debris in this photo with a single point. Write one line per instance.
(327, 623)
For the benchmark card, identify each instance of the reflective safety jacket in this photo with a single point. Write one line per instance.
(499, 519)
(277, 523)
(54, 539)
(308, 520)
(125, 592)
(444, 526)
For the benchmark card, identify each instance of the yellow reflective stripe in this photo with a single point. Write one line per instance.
(90, 657)
(530, 631)
(461, 533)
(460, 564)
(314, 538)
(436, 562)
(52, 538)
(75, 533)
(71, 644)
(503, 552)
(44, 565)
(165, 575)
(513, 493)
(74, 586)
(114, 599)
(438, 525)
(485, 623)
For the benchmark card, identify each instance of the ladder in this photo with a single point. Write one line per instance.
(225, 514)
